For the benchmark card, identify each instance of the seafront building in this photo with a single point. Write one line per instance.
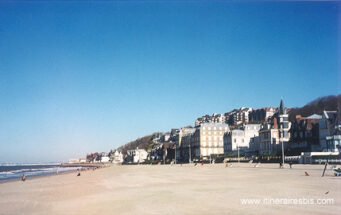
(117, 157)
(240, 139)
(327, 127)
(208, 140)
(304, 134)
(259, 132)
(136, 156)
(268, 140)
(334, 141)
(234, 140)
(274, 133)
(183, 144)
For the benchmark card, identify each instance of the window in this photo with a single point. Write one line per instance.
(285, 134)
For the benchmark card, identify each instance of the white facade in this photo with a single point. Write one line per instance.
(334, 143)
(326, 127)
(117, 157)
(105, 159)
(140, 155)
(240, 138)
(234, 140)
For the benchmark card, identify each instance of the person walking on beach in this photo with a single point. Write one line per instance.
(23, 178)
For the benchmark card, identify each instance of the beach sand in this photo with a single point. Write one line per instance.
(166, 189)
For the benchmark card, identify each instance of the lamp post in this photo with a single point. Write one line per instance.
(190, 156)
(238, 153)
(175, 155)
(282, 135)
(139, 157)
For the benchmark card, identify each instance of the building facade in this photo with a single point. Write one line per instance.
(202, 142)
(238, 116)
(304, 135)
(275, 132)
(241, 139)
(183, 144)
(327, 125)
(208, 140)
(261, 115)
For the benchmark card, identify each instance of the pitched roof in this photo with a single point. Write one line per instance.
(314, 116)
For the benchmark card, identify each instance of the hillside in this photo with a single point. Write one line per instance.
(317, 106)
(142, 143)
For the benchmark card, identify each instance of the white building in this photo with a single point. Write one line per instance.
(105, 159)
(165, 137)
(138, 155)
(240, 138)
(275, 133)
(327, 126)
(117, 157)
(234, 140)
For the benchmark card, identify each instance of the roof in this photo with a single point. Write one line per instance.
(314, 116)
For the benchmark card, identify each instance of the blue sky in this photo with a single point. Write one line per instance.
(82, 77)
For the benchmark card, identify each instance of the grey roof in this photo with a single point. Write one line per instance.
(314, 116)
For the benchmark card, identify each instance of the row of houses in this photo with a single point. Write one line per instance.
(101, 157)
(265, 132)
(239, 116)
(245, 132)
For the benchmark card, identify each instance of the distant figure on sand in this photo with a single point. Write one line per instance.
(257, 165)
(79, 174)
(23, 177)
(290, 164)
(280, 165)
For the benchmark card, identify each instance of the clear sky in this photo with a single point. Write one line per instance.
(82, 77)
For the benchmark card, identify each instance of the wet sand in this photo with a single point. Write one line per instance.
(186, 189)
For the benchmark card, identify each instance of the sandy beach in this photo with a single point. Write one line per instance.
(186, 189)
